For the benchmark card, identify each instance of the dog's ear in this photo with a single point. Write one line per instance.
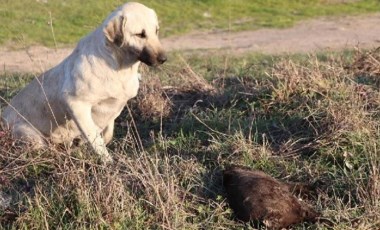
(114, 30)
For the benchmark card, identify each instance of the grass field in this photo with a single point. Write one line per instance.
(26, 22)
(311, 119)
(302, 118)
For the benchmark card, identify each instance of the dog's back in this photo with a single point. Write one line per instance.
(37, 107)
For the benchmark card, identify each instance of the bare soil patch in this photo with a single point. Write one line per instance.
(310, 36)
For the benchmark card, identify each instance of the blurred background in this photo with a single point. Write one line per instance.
(29, 21)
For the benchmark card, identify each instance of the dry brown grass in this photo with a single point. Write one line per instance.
(52, 189)
(308, 119)
(367, 62)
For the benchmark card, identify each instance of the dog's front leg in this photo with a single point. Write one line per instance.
(108, 132)
(81, 114)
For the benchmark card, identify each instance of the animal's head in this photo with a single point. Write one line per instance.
(133, 30)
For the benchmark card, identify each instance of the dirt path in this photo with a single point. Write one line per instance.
(310, 36)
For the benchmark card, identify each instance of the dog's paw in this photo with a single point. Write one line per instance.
(104, 155)
(106, 159)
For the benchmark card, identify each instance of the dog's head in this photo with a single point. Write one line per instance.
(133, 30)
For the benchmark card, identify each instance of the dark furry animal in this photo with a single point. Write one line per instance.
(255, 196)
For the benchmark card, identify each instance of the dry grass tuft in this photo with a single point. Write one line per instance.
(151, 101)
(367, 62)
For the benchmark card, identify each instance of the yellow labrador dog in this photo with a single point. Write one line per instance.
(82, 96)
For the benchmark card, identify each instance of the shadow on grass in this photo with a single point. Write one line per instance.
(196, 113)
(230, 112)
(293, 113)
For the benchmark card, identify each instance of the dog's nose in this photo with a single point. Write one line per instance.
(162, 58)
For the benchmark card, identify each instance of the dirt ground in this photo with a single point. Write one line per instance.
(309, 36)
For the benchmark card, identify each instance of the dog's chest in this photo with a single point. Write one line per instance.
(122, 87)
(117, 92)
(108, 107)
(106, 111)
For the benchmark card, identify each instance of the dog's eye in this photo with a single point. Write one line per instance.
(142, 34)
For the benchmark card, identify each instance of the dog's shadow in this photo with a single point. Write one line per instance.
(199, 112)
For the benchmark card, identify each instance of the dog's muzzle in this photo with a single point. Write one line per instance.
(152, 58)
(161, 58)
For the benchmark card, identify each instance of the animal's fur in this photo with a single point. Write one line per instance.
(82, 96)
(255, 196)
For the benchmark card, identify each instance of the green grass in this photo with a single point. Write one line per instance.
(311, 119)
(26, 22)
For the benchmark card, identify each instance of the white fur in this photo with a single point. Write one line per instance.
(82, 96)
